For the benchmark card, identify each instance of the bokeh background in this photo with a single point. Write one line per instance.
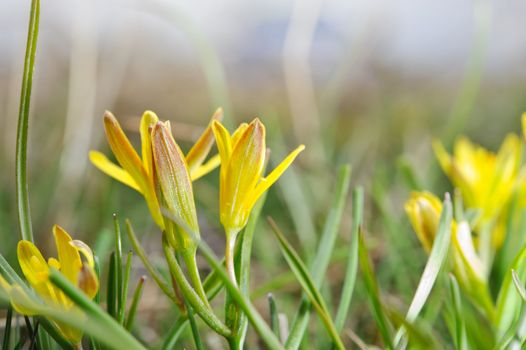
(365, 82)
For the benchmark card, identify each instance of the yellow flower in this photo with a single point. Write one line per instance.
(424, 210)
(243, 156)
(137, 172)
(69, 263)
(485, 179)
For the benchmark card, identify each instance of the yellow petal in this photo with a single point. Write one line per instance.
(204, 169)
(32, 263)
(423, 210)
(130, 161)
(524, 125)
(243, 173)
(238, 133)
(223, 141)
(88, 281)
(198, 153)
(85, 250)
(68, 255)
(109, 168)
(148, 120)
(443, 157)
(269, 180)
(54, 263)
(172, 172)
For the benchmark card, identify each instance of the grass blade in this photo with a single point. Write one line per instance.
(193, 327)
(302, 274)
(323, 255)
(125, 283)
(7, 329)
(518, 285)
(436, 260)
(111, 288)
(135, 303)
(274, 320)
(157, 277)
(373, 293)
(459, 337)
(118, 268)
(352, 260)
(22, 194)
(118, 334)
(253, 316)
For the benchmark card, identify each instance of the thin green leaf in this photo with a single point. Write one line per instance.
(236, 320)
(193, 327)
(22, 194)
(190, 295)
(518, 284)
(302, 274)
(352, 260)
(436, 260)
(274, 319)
(323, 256)
(118, 269)
(119, 339)
(111, 285)
(125, 282)
(253, 316)
(7, 329)
(157, 277)
(373, 293)
(459, 337)
(175, 333)
(509, 301)
(130, 319)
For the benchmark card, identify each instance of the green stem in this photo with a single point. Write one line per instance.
(22, 195)
(229, 256)
(190, 295)
(193, 272)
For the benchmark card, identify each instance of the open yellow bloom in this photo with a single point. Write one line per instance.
(137, 172)
(243, 156)
(36, 270)
(485, 179)
(424, 210)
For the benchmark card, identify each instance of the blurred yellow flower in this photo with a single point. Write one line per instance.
(485, 179)
(424, 210)
(69, 263)
(243, 156)
(137, 172)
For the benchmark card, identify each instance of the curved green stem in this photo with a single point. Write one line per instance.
(229, 256)
(190, 295)
(193, 273)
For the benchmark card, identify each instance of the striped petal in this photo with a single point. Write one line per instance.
(172, 172)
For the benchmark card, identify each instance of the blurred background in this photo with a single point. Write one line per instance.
(370, 83)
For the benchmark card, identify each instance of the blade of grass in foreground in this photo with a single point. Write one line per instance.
(373, 293)
(459, 338)
(302, 275)
(22, 195)
(352, 260)
(113, 333)
(436, 260)
(323, 256)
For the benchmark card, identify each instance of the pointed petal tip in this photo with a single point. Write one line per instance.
(218, 114)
